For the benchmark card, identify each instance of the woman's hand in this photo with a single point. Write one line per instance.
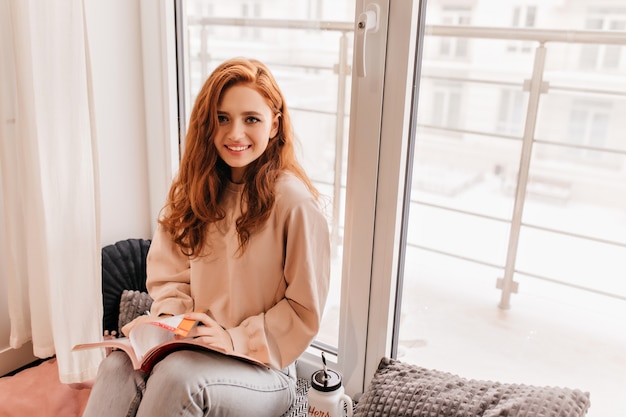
(210, 332)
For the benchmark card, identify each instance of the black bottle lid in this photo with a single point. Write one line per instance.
(325, 380)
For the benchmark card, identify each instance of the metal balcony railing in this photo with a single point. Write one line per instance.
(536, 86)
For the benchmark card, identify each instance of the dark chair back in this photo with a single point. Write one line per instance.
(123, 268)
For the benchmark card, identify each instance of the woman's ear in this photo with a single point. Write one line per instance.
(275, 126)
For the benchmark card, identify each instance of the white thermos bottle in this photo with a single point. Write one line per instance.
(326, 397)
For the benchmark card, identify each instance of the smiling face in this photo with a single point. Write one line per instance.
(246, 124)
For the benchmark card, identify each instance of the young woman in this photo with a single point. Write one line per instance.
(242, 246)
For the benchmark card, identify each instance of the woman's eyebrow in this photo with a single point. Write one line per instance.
(252, 113)
(245, 113)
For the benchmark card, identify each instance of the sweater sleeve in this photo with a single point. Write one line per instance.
(168, 276)
(281, 334)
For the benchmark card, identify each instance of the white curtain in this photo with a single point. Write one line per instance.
(48, 166)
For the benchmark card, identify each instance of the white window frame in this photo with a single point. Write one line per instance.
(376, 172)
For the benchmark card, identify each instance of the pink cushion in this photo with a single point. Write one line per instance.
(37, 391)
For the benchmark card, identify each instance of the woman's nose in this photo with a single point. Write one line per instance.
(237, 130)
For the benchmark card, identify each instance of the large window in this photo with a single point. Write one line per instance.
(484, 234)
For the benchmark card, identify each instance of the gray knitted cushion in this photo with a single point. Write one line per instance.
(299, 407)
(400, 389)
(133, 304)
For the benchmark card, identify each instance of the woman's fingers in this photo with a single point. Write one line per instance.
(210, 332)
(201, 318)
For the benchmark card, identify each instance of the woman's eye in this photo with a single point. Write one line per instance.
(222, 119)
(252, 119)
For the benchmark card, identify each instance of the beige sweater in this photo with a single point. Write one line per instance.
(271, 299)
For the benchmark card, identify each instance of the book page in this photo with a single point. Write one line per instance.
(147, 335)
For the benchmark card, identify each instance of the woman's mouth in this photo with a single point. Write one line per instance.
(238, 148)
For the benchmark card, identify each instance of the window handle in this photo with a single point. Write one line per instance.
(366, 22)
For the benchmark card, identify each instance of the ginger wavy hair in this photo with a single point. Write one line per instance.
(195, 193)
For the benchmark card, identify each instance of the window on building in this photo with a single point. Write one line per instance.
(451, 47)
(603, 57)
(446, 102)
(511, 112)
(523, 17)
(588, 127)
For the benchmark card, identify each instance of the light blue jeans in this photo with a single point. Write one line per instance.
(190, 383)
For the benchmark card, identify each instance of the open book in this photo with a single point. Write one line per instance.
(150, 341)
